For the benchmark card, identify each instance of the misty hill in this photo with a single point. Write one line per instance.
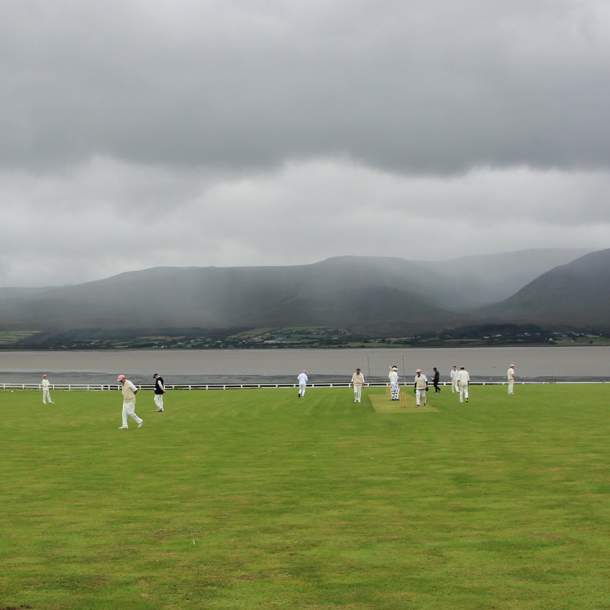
(473, 281)
(574, 295)
(357, 293)
(364, 294)
(10, 293)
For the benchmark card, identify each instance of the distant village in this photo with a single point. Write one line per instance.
(297, 337)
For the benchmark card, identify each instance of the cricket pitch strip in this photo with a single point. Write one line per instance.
(383, 404)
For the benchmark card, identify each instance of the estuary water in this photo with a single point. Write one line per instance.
(282, 365)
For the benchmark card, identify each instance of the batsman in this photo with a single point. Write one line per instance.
(394, 385)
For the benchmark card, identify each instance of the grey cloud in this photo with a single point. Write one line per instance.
(413, 87)
(198, 132)
(300, 213)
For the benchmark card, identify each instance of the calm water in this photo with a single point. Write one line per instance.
(213, 366)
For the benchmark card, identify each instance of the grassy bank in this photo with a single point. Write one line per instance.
(254, 499)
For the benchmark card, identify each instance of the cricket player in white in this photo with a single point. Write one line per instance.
(302, 379)
(357, 383)
(453, 376)
(46, 391)
(421, 387)
(394, 386)
(463, 380)
(129, 391)
(510, 378)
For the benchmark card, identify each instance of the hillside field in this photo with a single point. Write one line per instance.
(254, 499)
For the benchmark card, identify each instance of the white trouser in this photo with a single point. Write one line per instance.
(511, 387)
(129, 409)
(302, 388)
(463, 392)
(420, 396)
(395, 390)
(159, 401)
(454, 386)
(357, 393)
(46, 397)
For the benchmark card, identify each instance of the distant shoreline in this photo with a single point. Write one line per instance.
(273, 348)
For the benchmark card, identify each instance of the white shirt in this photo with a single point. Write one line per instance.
(358, 379)
(463, 377)
(393, 377)
(303, 379)
(453, 374)
(129, 391)
(420, 382)
(510, 374)
(45, 384)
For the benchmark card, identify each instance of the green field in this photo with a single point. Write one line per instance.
(254, 499)
(9, 338)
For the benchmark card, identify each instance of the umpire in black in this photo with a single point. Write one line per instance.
(435, 379)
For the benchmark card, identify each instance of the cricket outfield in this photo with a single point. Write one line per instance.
(255, 499)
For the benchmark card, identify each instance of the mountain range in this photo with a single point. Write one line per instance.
(367, 295)
(576, 295)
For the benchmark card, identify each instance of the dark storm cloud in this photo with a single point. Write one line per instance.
(421, 86)
(138, 133)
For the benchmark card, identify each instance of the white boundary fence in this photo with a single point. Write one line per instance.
(101, 387)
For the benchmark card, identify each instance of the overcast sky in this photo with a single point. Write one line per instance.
(137, 133)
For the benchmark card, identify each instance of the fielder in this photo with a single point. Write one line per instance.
(302, 378)
(463, 381)
(510, 378)
(453, 377)
(129, 391)
(421, 388)
(394, 386)
(357, 383)
(46, 391)
(159, 391)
